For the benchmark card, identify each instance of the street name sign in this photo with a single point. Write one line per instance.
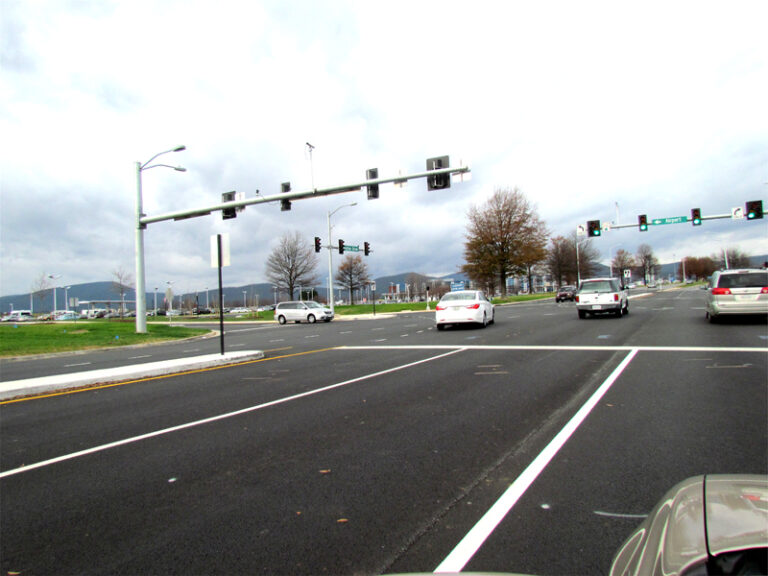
(673, 220)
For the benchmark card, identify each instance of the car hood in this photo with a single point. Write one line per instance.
(700, 517)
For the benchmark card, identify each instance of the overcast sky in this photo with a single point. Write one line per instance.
(658, 107)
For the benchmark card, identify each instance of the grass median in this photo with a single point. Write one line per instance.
(26, 339)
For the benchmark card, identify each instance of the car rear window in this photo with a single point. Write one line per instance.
(597, 287)
(460, 296)
(743, 280)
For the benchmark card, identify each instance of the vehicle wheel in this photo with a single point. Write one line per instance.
(281, 319)
(440, 327)
(582, 314)
(311, 318)
(619, 313)
(485, 320)
(712, 319)
(493, 318)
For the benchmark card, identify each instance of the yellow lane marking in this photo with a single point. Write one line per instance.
(123, 383)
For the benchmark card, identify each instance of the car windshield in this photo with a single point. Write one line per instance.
(599, 286)
(460, 296)
(746, 280)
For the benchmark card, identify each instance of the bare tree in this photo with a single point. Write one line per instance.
(419, 283)
(622, 261)
(647, 263)
(39, 287)
(730, 258)
(123, 282)
(292, 263)
(504, 237)
(561, 261)
(588, 256)
(352, 274)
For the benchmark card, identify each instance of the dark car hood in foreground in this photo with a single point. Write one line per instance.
(698, 520)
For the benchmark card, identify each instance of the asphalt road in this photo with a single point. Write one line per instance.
(377, 446)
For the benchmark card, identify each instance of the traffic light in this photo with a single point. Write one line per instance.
(593, 228)
(696, 216)
(439, 181)
(366, 248)
(341, 246)
(318, 244)
(285, 205)
(754, 209)
(228, 213)
(373, 189)
(642, 223)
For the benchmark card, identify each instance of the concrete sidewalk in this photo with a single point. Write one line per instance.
(30, 386)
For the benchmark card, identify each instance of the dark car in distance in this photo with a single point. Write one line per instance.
(565, 293)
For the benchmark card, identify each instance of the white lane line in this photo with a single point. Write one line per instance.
(78, 364)
(471, 543)
(164, 431)
(140, 357)
(594, 348)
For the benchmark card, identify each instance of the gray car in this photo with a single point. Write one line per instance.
(302, 311)
(714, 524)
(737, 292)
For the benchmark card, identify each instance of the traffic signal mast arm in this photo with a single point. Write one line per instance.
(683, 220)
(316, 192)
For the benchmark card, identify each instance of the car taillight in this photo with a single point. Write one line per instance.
(473, 306)
(764, 290)
(615, 297)
(438, 307)
(720, 291)
(577, 297)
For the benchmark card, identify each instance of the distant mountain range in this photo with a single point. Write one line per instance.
(105, 294)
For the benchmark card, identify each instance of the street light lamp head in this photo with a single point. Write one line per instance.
(180, 169)
(179, 148)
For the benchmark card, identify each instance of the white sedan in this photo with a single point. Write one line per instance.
(464, 307)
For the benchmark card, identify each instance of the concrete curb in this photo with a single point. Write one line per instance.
(33, 386)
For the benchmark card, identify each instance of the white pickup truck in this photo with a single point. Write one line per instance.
(602, 296)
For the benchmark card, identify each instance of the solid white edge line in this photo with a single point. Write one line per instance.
(474, 539)
(117, 443)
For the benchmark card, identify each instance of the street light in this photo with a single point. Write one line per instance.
(330, 255)
(244, 292)
(66, 298)
(54, 277)
(141, 296)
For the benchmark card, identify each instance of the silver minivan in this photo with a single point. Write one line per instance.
(737, 292)
(302, 311)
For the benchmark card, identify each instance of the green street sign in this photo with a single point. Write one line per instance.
(673, 220)
(348, 248)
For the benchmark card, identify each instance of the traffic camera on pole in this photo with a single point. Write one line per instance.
(593, 228)
(285, 205)
(366, 248)
(373, 189)
(318, 244)
(438, 181)
(696, 216)
(341, 246)
(642, 223)
(754, 209)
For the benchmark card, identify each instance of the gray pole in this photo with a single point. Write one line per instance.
(330, 267)
(141, 296)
